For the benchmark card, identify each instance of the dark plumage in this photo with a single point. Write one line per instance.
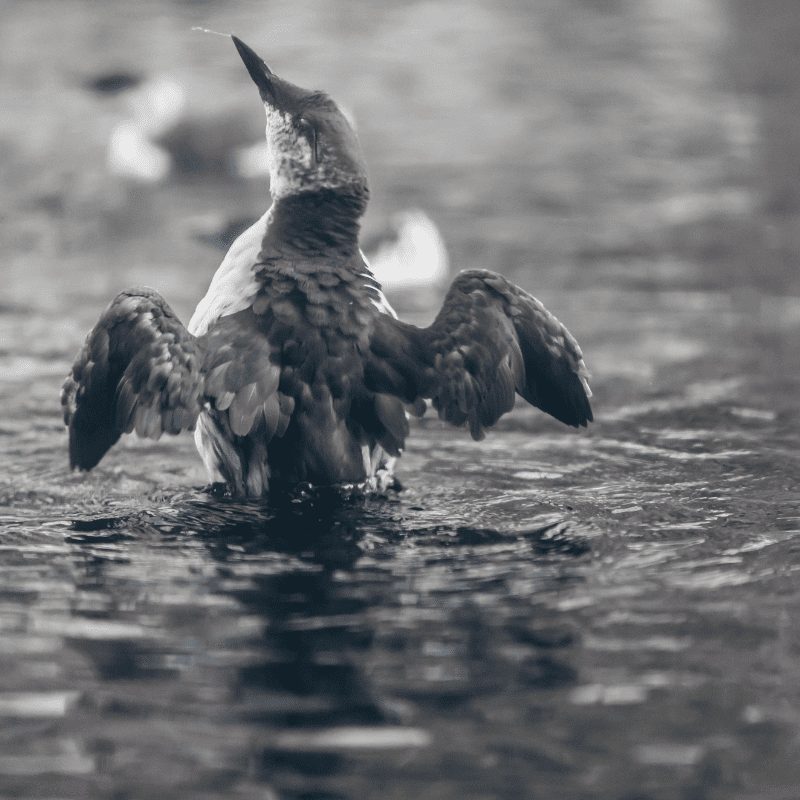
(293, 367)
(113, 83)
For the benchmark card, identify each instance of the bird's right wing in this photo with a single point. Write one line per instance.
(489, 340)
(139, 369)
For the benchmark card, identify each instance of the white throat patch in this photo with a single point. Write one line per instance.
(291, 161)
(296, 166)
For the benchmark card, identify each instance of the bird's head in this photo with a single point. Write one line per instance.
(311, 144)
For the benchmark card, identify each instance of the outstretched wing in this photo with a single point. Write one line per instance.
(139, 369)
(489, 340)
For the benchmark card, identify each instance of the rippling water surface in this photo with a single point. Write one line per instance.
(544, 614)
(611, 613)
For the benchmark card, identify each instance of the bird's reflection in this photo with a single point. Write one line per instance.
(323, 526)
(289, 626)
(307, 672)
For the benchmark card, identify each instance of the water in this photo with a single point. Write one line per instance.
(543, 614)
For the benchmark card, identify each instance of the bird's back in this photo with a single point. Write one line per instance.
(286, 379)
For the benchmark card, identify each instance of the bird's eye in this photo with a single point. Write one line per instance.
(307, 129)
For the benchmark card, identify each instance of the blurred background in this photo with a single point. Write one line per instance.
(605, 614)
(589, 140)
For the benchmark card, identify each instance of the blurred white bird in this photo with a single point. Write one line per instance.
(158, 136)
(414, 263)
(154, 105)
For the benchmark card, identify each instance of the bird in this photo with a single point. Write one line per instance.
(412, 266)
(153, 107)
(157, 138)
(109, 84)
(416, 256)
(294, 369)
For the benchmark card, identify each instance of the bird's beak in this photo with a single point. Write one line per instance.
(262, 75)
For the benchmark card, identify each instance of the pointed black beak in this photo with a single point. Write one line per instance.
(261, 74)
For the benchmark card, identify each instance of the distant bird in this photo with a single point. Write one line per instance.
(415, 258)
(113, 83)
(411, 264)
(156, 138)
(294, 368)
(154, 107)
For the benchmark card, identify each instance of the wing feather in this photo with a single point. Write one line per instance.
(242, 380)
(490, 340)
(139, 369)
(272, 416)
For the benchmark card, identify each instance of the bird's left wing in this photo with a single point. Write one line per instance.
(139, 369)
(490, 339)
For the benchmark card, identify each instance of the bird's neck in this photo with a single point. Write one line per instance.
(321, 222)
